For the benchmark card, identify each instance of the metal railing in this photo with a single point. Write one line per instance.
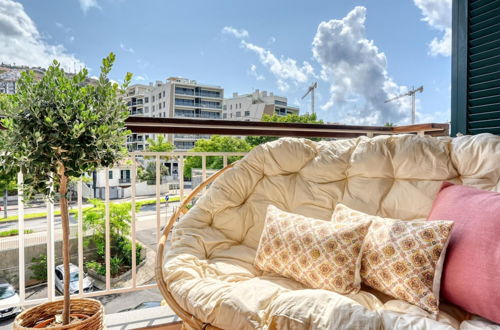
(51, 236)
(141, 125)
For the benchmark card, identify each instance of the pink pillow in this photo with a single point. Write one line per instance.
(471, 275)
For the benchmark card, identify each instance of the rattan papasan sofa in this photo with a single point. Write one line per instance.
(207, 274)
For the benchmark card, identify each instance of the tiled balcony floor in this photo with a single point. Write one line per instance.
(151, 318)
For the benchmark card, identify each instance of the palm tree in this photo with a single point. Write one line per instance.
(159, 145)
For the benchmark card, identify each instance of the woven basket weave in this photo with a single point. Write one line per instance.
(90, 307)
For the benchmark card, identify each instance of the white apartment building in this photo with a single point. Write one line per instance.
(251, 107)
(175, 98)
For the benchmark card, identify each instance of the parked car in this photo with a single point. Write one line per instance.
(88, 284)
(8, 296)
(143, 305)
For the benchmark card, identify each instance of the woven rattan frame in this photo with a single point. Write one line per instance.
(189, 319)
(86, 306)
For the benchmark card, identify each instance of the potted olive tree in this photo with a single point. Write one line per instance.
(63, 126)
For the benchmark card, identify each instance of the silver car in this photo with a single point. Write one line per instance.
(88, 284)
(8, 297)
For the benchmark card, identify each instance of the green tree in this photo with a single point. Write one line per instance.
(94, 220)
(159, 145)
(291, 118)
(216, 143)
(58, 127)
(7, 177)
(389, 124)
(149, 172)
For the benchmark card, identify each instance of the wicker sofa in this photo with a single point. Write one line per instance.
(208, 277)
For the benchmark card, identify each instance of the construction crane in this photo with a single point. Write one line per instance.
(311, 90)
(411, 93)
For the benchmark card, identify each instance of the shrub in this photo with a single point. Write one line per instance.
(39, 268)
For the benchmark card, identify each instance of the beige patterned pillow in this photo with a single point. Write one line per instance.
(403, 259)
(317, 253)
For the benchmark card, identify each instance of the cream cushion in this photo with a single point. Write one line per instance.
(319, 254)
(209, 267)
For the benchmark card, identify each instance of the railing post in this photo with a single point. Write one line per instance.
(50, 249)
(224, 161)
(158, 205)
(80, 236)
(20, 227)
(181, 178)
(107, 230)
(203, 169)
(133, 183)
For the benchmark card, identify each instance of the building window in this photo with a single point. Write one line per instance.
(224, 107)
(230, 107)
(159, 106)
(163, 93)
(184, 102)
(159, 96)
(163, 104)
(240, 105)
(153, 98)
(110, 175)
(238, 113)
(146, 99)
(247, 113)
(146, 109)
(153, 108)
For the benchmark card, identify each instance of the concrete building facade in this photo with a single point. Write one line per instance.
(252, 107)
(174, 98)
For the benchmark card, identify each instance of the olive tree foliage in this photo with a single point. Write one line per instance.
(62, 120)
(63, 126)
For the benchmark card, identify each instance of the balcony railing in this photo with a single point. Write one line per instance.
(132, 103)
(49, 235)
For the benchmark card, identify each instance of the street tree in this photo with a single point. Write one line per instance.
(291, 118)
(216, 143)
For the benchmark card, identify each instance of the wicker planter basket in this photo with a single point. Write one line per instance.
(90, 307)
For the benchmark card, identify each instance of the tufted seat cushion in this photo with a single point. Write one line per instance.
(209, 268)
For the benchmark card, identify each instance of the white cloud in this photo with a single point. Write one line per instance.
(253, 72)
(139, 78)
(355, 67)
(126, 49)
(238, 33)
(72, 38)
(63, 27)
(282, 85)
(282, 68)
(271, 40)
(88, 4)
(22, 43)
(437, 13)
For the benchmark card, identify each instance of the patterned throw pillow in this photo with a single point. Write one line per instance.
(403, 259)
(317, 253)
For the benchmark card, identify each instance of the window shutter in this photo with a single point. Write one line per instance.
(476, 67)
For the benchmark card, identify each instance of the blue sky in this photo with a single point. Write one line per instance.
(360, 52)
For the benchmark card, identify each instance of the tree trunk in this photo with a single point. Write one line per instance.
(63, 189)
(5, 200)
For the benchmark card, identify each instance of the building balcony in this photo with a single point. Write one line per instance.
(133, 103)
(121, 296)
